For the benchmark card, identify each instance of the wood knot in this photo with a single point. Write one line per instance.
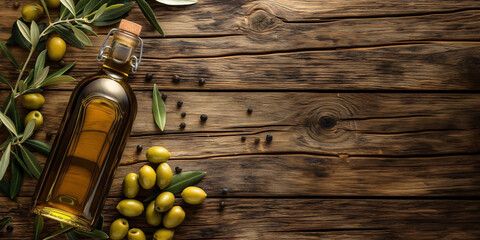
(262, 21)
(327, 122)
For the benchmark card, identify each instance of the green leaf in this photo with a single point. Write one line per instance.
(92, 6)
(70, 5)
(86, 28)
(150, 15)
(72, 236)
(4, 188)
(8, 123)
(39, 146)
(30, 77)
(59, 232)
(115, 11)
(68, 36)
(40, 63)
(177, 2)
(31, 162)
(37, 82)
(16, 180)
(3, 80)
(33, 90)
(46, 9)
(5, 160)
(4, 221)
(93, 234)
(60, 71)
(24, 30)
(81, 5)
(22, 164)
(179, 182)
(9, 55)
(99, 12)
(37, 227)
(34, 34)
(28, 130)
(106, 23)
(158, 108)
(57, 80)
(17, 37)
(81, 36)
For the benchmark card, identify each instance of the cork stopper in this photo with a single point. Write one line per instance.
(130, 27)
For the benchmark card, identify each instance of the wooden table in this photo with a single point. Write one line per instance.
(373, 106)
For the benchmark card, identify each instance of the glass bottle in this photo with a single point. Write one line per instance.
(90, 141)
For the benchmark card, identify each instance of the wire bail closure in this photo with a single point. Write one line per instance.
(134, 60)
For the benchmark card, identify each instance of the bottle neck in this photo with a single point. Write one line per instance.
(119, 57)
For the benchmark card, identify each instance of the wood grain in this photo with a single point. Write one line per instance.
(300, 219)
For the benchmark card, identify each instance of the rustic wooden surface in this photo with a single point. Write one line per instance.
(373, 106)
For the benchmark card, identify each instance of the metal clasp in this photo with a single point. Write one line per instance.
(135, 62)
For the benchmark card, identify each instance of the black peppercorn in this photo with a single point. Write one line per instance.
(179, 104)
(201, 81)
(176, 78)
(225, 191)
(49, 135)
(139, 148)
(222, 205)
(183, 125)
(249, 111)
(243, 138)
(164, 96)
(178, 170)
(257, 140)
(9, 228)
(148, 77)
(203, 117)
(183, 114)
(269, 138)
(16, 4)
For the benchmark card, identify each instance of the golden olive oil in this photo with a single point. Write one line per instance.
(90, 140)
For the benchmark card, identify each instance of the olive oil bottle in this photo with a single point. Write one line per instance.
(92, 136)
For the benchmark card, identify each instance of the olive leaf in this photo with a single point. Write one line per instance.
(4, 221)
(63, 230)
(4, 188)
(31, 162)
(114, 11)
(57, 80)
(8, 123)
(99, 12)
(12, 112)
(68, 36)
(34, 34)
(60, 71)
(81, 36)
(46, 9)
(5, 160)
(93, 234)
(28, 130)
(16, 180)
(158, 108)
(17, 37)
(92, 6)
(21, 163)
(3, 80)
(70, 5)
(38, 146)
(24, 30)
(9, 55)
(177, 2)
(81, 5)
(86, 28)
(40, 63)
(179, 182)
(41, 77)
(150, 15)
(37, 227)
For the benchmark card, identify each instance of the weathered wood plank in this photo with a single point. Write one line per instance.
(396, 124)
(299, 219)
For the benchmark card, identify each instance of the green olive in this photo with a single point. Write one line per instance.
(193, 195)
(32, 12)
(174, 217)
(118, 229)
(164, 201)
(130, 185)
(153, 217)
(164, 175)
(33, 101)
(147, 177)
(52, 3)
(56, 49)
(34, 115)
(136, 234)
(157, 154)
(163, 234)
(130, 207)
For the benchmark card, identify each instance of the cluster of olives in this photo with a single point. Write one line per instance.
(33, 101)
(56, 46)
(158, 212)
